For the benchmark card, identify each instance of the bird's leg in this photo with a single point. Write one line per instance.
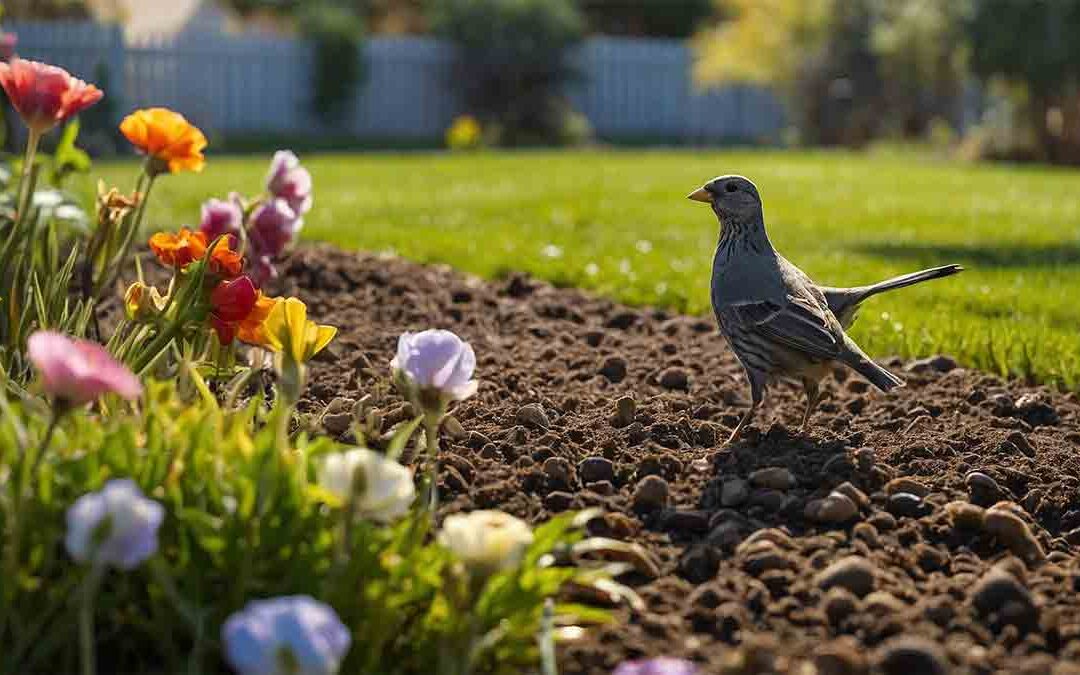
(757, 395)
(745, 418)
(812, 396)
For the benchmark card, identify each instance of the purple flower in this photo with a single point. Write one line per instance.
(290, 181)
(295, 635)
(116, 526)
(273, 226)
(79, 371)
(435, 361)
(220, 217)
(261, 270)
(659, 666)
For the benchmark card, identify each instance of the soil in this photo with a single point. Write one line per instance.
(934, 529)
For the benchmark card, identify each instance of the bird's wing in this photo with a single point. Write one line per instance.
(798, 322)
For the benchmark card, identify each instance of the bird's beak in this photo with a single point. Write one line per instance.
(700, 195)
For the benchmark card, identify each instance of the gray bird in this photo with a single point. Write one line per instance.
(779, 323)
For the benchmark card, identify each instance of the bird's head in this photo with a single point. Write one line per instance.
(733, 198)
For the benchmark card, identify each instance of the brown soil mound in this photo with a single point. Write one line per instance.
(931, 530)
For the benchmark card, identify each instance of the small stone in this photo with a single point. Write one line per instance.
(853, 573)
(882, 521)
(596, 469)
(854, 494)
(1022, 443)
(651, 493)
(982, 489)
(340, 404)
(840, 657)
(593, 338)
(558, 501)
(838, 604)
(1010, 529)
(1000, 594)
(938, 364)
(625, 408)
(601, 487)
(906, 505)
(532, 415)
(774, 478)
(865, 459)
(337, 423)
(674, 378)
(454, 429)
(835, 508)
(906, 655)
(614, 369)
(699, 564)
(770, 500)
(693, 522)
(909, 485)
(558, 469)
(734, 492)
(622, 320)
(966, 516)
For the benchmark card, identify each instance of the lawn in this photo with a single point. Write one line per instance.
(618, 223)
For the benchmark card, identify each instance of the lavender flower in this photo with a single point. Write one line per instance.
(434, 367)
(659, 666)
(293, 635)
(116, 526)
(273, 226)
(290, 181)
(221, 217)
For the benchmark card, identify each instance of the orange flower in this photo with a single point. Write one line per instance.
(225, 261)
(251, 329)
(180, 249)
(45, 95)
(174, 143)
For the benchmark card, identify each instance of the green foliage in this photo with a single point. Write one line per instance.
(244, 520)
(337, 69)
(513, 62)
(653, 18)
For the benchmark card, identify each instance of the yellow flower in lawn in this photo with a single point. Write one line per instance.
(464, 134)
(288, 330)
(170, 140)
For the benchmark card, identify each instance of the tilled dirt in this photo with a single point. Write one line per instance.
(935, 529)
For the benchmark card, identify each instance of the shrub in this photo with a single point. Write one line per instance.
(514, 62)
(337, 69)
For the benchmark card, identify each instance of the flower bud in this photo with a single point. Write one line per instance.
(487, 542)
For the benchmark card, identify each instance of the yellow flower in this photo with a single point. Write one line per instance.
(174, 143)
(142, 302)
(288, 330)
(464, 134)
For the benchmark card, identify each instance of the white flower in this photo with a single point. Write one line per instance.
(438, 362)
(385, 489)
(486, 541)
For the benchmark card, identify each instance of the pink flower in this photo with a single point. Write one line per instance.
(221, 217)
(78, 371)
(261, 270)
(45, 95)
(7, 46)
(272, 227)
(290, 181)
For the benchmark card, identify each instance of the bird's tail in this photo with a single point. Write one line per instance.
(865, 366)
(906, 280)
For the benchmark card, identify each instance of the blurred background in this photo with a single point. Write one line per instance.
(981, 78)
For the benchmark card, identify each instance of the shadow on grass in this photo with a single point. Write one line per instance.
(984, 256)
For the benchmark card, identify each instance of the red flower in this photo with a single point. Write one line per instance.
(230, 303)
(45, 95)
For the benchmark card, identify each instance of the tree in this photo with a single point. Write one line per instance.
(1033, 46)
(653, 18)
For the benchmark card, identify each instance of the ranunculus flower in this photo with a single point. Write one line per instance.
(294, 635)
(289, 181)
(288, 331)
(486, 541)
(116, 526)
(385, 489)
(434, 364)
(174, 143)
(272, 227)
(231, 302)
(76, 372)
(659, 666)
(252, 329)
(178, 249)
(45, 95)
(221, 217)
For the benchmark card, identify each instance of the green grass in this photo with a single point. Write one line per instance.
(617, 223)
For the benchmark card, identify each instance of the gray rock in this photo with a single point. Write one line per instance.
(614, 369)
(905, 484)
(532, 415)
(907, 655)
(938, 364)
(774, 478)
(1022, 443)
(1001, 595)
(854, 573)
(835, 508)
(454, 429)
(734, 492)
(674, 378)
(651, 493)
(558, 469)
(907, 505)
(625, 408)
(982, 489)
(596, 469)
(1003, 522)
(558, 501)
(337, 423)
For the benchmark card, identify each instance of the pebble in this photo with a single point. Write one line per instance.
(966, 516)
(651, 493)
(982, 489)
(596, 469)
(865, 459)
(734, 492)
(840, 657)
(625, 408)
(593, 338)
(939, 363)
(532, 415)
(906, 505)
(558, 501)
(1010, 529)
(998, 591)
(908, 485)
(340, 404)
(774, 478)
(854, 494)
(696, 522)
(558, 469)
(454, 429)
(674, 378)
(838, 604)
(1022, 443)
(614, 369)
(699, 564)
(853, 573)
(835, 508)
(337, 423)
(907, 655)
(882, 521)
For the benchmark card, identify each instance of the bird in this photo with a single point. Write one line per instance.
(777, 321)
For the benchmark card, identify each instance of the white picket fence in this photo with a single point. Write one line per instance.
(627, 88)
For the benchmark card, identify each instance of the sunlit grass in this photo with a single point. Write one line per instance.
(618, 223)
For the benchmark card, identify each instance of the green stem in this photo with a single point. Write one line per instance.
(155, 348)
(27, 171)
(59, 409)
(112, 272)
(431, 460)
(86, 618)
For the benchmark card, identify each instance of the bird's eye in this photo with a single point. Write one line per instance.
(731, 187)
